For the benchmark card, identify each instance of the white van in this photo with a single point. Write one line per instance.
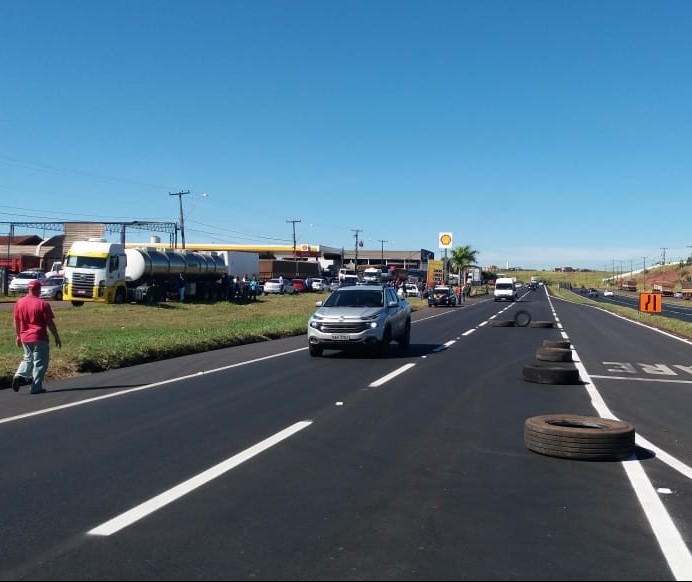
(505, 289)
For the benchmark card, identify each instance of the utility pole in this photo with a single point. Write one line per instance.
(357, 231)
(182, 218)
(664, 249)
(295, 260)
(644, 272)
(382, 256)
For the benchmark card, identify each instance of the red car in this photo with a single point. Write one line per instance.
(299, 285)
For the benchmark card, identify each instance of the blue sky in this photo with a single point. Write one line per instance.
(540, 133)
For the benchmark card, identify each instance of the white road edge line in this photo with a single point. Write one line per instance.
(155, 503)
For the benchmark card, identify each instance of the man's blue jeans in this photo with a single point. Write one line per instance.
(34, 364)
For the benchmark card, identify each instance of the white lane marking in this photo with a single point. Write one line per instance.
(643, 379)
(390, 376)
(145, 387)
(469, 332)
(672, 545)
(155, 503)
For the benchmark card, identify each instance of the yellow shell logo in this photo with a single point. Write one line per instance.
(445, 239)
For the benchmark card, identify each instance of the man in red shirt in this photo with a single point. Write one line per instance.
(33, 318)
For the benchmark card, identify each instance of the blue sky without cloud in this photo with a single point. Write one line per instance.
(540, 133)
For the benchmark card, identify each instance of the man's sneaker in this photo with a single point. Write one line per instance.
(18, 382)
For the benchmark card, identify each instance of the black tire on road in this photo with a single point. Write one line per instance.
(58, 296)
(542, 324)
(564, 344)
(315, 351)
(554, 355)
(542, 373)
(573, 436)
(502, 323)
(522, 318)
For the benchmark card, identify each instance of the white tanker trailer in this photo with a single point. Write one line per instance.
(100, 271)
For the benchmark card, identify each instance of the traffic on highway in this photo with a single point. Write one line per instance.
(432, 463)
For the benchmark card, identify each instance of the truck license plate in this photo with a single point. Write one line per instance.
(340, 338)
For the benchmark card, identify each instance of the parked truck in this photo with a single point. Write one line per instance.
(19, 263)
(663, 287)
(240, 263)
(100, 271)
(372, 275)
(686, 289)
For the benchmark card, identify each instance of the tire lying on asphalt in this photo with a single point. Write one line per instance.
(573, 436)
(554, 355)
(502, 323)
(564, 344)
(543, 373)
(542, 324)
(522, 318)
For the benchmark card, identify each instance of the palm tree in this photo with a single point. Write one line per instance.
(462, 258)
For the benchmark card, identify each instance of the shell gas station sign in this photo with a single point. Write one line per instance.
(445, 240)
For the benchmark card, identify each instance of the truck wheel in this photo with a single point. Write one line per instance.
(542, 373)
(119, 296)
(58, 296)
(572, 436)
(315, 351)
(564, 344)
(546, 354)
(522, 318)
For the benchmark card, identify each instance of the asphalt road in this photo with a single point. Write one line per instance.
(261, 463)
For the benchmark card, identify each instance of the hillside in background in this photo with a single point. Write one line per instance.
(673, 274)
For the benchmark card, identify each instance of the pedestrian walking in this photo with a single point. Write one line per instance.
(181, 287)
(33, 319)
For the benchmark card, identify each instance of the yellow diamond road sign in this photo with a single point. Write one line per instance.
(445, 240)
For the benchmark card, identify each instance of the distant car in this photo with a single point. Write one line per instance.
(299, 285)
(442, 295)
(608, 293)
(353, 316)
(347, 280)
(20, 283)
(592, 292)
(319, 284)
(51, 288)
(275, 286)
(677, 295)
(412, 290)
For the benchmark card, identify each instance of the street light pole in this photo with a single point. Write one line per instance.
(182, 218)
(356, 230)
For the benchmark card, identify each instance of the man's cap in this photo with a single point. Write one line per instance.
(34, 284)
